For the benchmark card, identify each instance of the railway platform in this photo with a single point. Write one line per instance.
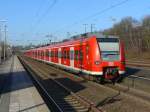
(17, 92)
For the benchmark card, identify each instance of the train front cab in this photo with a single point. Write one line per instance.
(108, 58)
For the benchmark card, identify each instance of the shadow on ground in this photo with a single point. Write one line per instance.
(14, 81)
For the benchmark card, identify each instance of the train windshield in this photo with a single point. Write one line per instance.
(109, 48)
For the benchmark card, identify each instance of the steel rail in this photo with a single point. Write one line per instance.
(84, 101)
(40, 85)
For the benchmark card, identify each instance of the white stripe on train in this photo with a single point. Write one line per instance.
(77, 69)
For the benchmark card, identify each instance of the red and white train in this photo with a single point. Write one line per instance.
(95, 55)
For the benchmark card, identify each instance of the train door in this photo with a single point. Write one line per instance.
(59, 55)
(43, 54)
(72, 57)
(52, 55)
(36, 56)
(49, 55)
(39, 54)
(87, 58)
(76, 57)
(67, 56)
(81, 58)
(56, 55)
(33, 54)
(62, 55)
(46, 55)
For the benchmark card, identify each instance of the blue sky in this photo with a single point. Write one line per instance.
(29, 21)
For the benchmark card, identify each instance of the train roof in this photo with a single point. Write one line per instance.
(76, 39)
(100, 35)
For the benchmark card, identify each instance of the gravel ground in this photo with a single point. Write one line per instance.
(138, 84)
(100, 95)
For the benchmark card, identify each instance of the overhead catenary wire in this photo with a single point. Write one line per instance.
(40, 18)
(93, 15)
(37, 14)
(77, 22)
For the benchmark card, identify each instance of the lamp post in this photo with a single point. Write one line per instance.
(85, 26)
(5, 41)
(4, 51)
(92, 27)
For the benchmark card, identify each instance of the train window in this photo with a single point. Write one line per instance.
(52, 54)
(65, 54)
(42, 53)
(71, 55)
(68, 54)
(62, 54)
(81, 55)
(76, 54)
(56, 53)
(47, 53)
(109, 48)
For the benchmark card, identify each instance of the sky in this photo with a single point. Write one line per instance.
(38, 21)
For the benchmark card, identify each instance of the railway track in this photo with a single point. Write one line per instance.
(63, 98)
(139, 63)
(100, 100)
(140, 83)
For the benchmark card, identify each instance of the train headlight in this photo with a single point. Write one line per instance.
(97, 62)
